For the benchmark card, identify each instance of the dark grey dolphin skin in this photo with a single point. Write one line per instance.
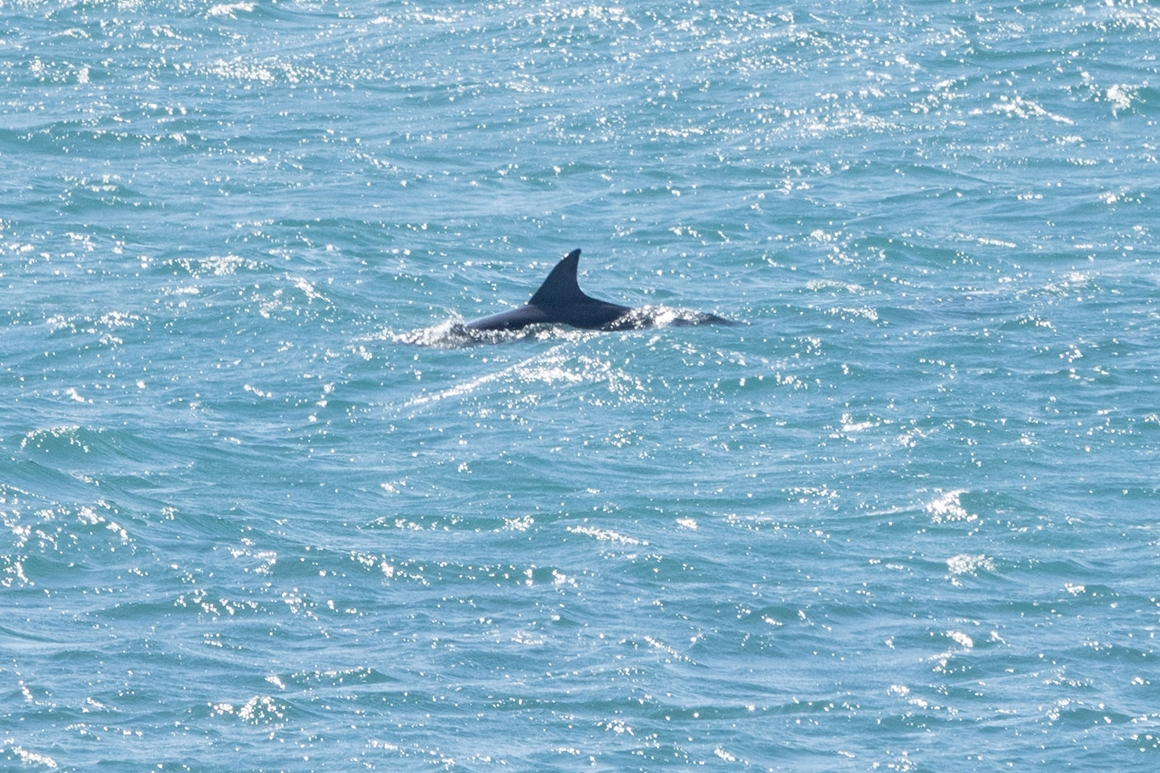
(559, 300)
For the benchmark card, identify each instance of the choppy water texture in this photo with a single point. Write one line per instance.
(260, 513)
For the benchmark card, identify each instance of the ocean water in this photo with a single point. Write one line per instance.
(266, 507)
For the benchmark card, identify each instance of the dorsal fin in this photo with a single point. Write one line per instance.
(561, 287)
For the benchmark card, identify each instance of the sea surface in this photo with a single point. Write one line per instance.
(267, 506)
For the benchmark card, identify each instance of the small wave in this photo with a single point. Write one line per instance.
(647, 317)
(965, 563)
(455, 334)
(230, 9)
(948, 507)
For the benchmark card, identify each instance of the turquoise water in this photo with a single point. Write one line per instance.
(266, 508)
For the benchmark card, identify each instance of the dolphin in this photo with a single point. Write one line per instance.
(559, 300)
